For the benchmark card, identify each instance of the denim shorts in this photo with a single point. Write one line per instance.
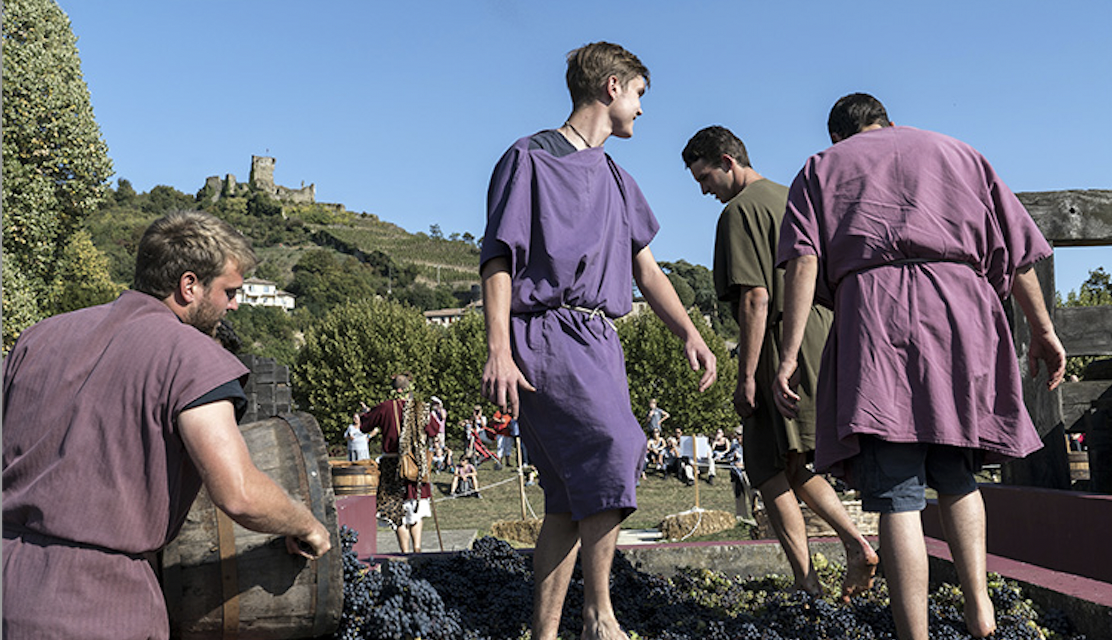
(893, 476)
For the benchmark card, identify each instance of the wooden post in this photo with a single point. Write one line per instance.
(520, 475)
(1066, 219)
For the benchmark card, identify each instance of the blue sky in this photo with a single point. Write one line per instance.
(401, 109)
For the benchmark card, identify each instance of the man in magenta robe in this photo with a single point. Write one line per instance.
(113, 417)
(567, 233)
(913, 240)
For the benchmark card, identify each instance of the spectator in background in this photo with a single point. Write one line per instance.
(439, 417)
(358, 443)
(657, 448)
(406, 428)
(465, 481)
(656, 416)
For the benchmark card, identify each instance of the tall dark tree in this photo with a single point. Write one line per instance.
(657, 368)
(56, 165)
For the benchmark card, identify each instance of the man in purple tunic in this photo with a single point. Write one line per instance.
(113, 417)
(913, 241)
(566, 229)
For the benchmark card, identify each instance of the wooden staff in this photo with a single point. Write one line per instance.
(520, 476)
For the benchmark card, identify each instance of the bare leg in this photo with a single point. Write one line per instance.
(861, 559)
(402, 532)
(791, 530)
(553, 562)
(963, 520)
(415, 534)
(905, 567)
(599, 536)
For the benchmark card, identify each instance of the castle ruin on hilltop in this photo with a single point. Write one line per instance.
(262, 180)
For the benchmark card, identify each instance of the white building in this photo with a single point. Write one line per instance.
(264, 293)
(445, 317)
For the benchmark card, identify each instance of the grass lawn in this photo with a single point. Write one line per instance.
(657, 497)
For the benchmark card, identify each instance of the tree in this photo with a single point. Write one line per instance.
(55, 164)
(266, 331)
(461, 352)
(435, 232)
(350, 354)
(83, 279)
(1094, 292)
(701, 282)
(657, 368)
(163, 199)
(323, 279)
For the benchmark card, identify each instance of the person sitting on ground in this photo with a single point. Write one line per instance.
(441, 457)
(657, 447)
(466, 479)
(679, 463)
(720, 445)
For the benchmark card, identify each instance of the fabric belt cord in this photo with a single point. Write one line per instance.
(906, 261)
(597, 311)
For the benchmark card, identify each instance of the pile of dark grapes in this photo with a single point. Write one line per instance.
(486, 594)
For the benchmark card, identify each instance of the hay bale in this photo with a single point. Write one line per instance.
(523, 531)
(696, 523)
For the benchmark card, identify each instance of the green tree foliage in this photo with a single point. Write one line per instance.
(656, 368)
(1094, 292)
(266, 331)
(163, 199)
(461, 353)
(323, 279)
(55, 164)
(350, 355)
(426, 298)
(82, 279)
(701, 282)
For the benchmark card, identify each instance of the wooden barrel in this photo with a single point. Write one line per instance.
(355, 478)
(223, 581)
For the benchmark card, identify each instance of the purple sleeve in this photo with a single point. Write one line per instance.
(643, 225)
(1016, 242)
(509, 209)
(799, 231)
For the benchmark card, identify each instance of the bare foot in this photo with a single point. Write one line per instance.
(980, 618)
(602, 628)
(810, 585)
(861, 562)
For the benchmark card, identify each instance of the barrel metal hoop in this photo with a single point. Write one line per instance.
(229, 573)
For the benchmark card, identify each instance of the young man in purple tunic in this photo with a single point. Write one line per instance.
(914, 241)
(566, 230)
(113, 418)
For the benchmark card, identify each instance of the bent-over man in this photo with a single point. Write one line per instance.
(777, 449)
(114, 416)
(913, 241)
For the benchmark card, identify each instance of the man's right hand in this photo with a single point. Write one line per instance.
(312, 546)
(502, 381)
(745, 396)
(783, 389)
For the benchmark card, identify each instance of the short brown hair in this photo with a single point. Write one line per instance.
(590, 65)
(711, 143)
(184, 241)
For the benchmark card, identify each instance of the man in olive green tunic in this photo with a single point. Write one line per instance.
(745, 275)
